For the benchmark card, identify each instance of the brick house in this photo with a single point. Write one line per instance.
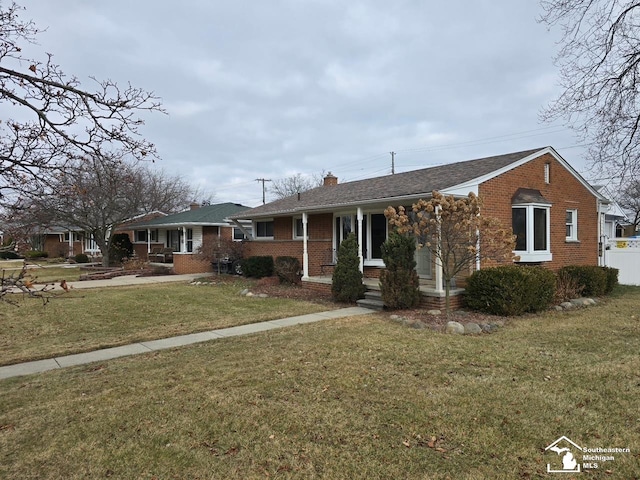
(184, 233)
(556, 215)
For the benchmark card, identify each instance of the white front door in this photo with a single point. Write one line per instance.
(423, 262)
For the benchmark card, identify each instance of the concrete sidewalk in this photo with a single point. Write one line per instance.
(124, 280)
(39, 366)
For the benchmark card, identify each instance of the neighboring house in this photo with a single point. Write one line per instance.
(554, 212)
(65, 242)
(183, 233)
(616, 221)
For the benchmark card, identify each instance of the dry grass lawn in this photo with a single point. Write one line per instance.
(84, 320)
(346, 399)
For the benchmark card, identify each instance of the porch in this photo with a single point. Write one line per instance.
(432, 297)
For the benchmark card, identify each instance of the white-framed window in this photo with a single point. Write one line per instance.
(141, 236)
(238, 234)
(298, 228)
(374, 233)
(74, 235)
(547, 173)
(189, 240)
(264, 229)
(531, 226)
(572, 225)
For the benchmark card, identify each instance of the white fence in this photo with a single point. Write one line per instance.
(624, 254)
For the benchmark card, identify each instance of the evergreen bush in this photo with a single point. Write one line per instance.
(399, 283)
(9, 255)
(591, 278)
(120, 248)
(347, 283)
(612, 279)
(36, 254)
(510, 290)
(287, 269)
(257, 266)
(81, 258)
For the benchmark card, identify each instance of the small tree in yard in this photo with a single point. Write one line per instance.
(399, 283)
(455, 233)
(347, 283)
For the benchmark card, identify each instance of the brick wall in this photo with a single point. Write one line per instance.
(565, 192)
(189, 263)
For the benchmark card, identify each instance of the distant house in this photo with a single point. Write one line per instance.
(180, 235)
(554, 212)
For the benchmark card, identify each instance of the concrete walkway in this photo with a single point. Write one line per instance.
(40, 366)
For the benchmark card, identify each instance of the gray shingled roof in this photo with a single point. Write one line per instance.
(416, 182)
(207, 215)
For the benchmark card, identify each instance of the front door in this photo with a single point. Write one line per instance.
(423, 262)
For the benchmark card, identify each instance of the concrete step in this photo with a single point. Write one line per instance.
(373, 294)
(371, 304)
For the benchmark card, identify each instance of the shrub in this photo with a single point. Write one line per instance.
(591, 278)
(36, 254)
(399, 283)
(9, 255)
(347, 283)
(257, 266)
(612, 279)
(81, 258)
(287, 269)
(510, 290)
(567, 287)
(119, 248)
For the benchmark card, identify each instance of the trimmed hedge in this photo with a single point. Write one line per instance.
(287, 269)
(81, 258)
(257, 266)
(595, 281)
(36, 254)
(510, 290)
(9, 255)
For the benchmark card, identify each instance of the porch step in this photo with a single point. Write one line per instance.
(372, 300)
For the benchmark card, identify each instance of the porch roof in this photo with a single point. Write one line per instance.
(416, 183)
(209, 215)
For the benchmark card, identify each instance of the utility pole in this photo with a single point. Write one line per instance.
(263, 189)
(393, 162)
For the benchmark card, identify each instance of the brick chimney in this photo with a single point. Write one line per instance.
(194, 206)
(330, 179)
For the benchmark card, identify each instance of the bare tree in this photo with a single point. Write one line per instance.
(95, 196)
(599, 72)
(298, 183)
(629, 200)
(60, 120)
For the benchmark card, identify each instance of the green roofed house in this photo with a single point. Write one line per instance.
(175, 238)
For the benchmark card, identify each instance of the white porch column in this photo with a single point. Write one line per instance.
(148, 240)
(70, 243)
(360, 257)
(305, 247)
(439, 282)
(183, 247)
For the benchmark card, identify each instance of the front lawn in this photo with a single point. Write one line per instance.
(362, 397)
(89, 319)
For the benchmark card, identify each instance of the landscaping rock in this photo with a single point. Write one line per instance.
(249, 294)
(262, 295)
(567, 305)
(394, 317)
(418, 325)
(434, 312)
(488, 327)
(455, 328)
(558, 308)
(472, 329)
(244, 292)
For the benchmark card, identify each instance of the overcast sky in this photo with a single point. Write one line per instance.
(257, 89)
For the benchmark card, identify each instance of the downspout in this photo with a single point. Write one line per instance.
(360, 232)
(305, 247)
